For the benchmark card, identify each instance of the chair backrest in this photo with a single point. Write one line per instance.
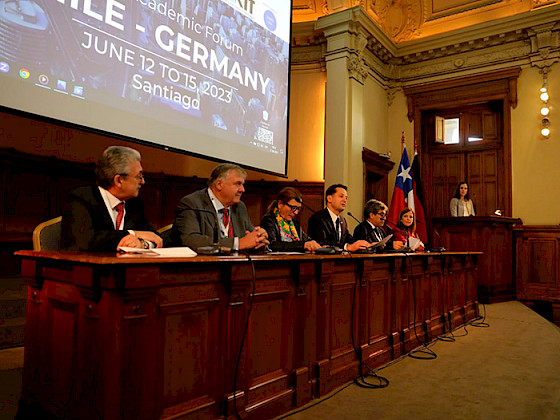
(165, 233)
(165, 228)
(46, 236)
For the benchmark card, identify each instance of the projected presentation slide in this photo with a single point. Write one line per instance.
(207, 77)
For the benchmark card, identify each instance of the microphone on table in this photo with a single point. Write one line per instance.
(440, 248)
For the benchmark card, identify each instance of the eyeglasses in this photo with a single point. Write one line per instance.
(383, 213)
(295, 209)
(138, 177)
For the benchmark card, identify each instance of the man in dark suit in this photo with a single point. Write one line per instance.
(329, 227)
(372, 228)
(216, 215)
(109, 215)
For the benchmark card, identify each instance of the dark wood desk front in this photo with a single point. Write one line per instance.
(492, 235)
(135, 337)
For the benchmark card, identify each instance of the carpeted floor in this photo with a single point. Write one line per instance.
(510, 370)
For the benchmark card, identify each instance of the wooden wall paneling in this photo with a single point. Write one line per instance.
(435, 324)
(375, 313)
(490, 125)
(471, 296)
(270, 343)
(492, 181)
(484, 180)
(498, 241)
(399, 305)
(439, 188)
(340, 309)
(145, 338)
(475, 179)
(239, 288)
(62, 307)
(27, 199)
(418, 302)
(457, 288)
(474, 128)
(305, 345)
(325, 273)
(190, 321)
(538, 263)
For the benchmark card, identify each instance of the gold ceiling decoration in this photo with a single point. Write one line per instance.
(406, 20)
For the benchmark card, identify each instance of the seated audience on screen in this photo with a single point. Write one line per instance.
(284, 231)
(109, 215)
(373, 228)
(405, 230)
(461, 205)
(328, 227)
(216, 215)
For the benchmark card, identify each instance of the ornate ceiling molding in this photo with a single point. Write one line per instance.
(527, 39)
(407, 20)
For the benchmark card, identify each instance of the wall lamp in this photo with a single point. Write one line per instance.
(545, 110)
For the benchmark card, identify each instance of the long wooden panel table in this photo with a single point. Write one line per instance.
(138, 337)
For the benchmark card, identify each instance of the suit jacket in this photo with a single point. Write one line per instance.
(321, 228)
(366, 232)
(269, 224)
(87, 225)
(196, 222)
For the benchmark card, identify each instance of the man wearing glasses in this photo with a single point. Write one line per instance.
(109, 215)
(372, 229)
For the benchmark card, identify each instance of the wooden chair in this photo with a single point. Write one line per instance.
(165, 228)
(165, 233)
(46, 236)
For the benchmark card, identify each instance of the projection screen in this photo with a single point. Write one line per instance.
(208, 77)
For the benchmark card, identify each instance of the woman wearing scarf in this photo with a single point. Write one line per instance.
(284, 233)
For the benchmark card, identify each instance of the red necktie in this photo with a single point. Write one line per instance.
(120, 214)
(227, 223)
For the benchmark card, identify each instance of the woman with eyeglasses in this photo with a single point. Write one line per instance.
(461, 205)
(284, 232)
(406, 229)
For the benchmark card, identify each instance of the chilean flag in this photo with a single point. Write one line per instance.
(419, 212)
(403, 194)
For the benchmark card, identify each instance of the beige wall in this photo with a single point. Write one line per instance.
(306, 147)
(535, 160)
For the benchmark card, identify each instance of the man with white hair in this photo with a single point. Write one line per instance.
(109, 215)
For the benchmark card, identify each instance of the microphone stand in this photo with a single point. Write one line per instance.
(440, 248)
(352, 216)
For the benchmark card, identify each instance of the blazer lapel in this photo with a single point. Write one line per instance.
(108, 223)
(207, 204)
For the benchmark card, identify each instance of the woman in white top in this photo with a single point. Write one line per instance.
(461, 205)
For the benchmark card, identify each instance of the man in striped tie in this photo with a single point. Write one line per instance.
(109, 215)
(216, 215)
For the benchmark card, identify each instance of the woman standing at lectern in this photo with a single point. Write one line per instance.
(461, 205)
